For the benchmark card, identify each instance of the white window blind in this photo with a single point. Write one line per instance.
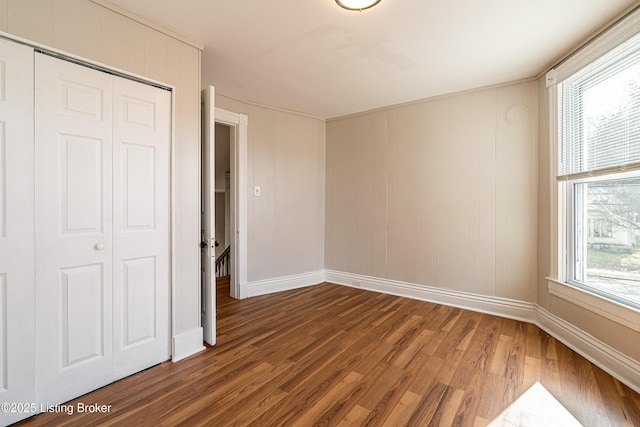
(599, 114)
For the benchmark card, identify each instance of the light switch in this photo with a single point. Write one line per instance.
(256, 191)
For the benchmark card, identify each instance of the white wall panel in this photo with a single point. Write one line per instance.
(3, 81)
(486, 134)
(136, 47)
(402, 187)
(4, 10)
(285, 224)
(77, 28)
(362, 147)
(187, 179)
(460, 180)
(155, 64)
(519, 116)
(114, 39)
(31, 19)
(546, 179)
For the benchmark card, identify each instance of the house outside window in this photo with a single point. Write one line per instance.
(598, 174)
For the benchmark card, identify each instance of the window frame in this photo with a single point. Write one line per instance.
(558, 281)
(571, 208)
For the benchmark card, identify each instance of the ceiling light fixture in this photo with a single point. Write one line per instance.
(357, 4)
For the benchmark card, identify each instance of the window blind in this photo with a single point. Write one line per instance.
(599, 114)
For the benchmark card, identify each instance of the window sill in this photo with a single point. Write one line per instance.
(619, 313)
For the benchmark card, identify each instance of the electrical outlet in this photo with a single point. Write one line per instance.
(256, 190)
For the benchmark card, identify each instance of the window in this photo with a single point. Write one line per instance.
(598, 134)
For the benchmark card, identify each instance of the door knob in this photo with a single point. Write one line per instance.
(99, 246)
(216, 244)
(203, 245)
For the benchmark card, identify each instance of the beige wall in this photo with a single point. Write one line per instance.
(619, 337)
(86, 29)
(440, 193)
(286, 158)
(222, 135)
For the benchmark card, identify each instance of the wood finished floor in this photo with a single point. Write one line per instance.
(330, 355)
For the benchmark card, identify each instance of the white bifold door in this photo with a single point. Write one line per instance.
(17, 345)
(102, 152)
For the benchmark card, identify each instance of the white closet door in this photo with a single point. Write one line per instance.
(74, 250)
(142, 132)
(102, 221)
(17, 345)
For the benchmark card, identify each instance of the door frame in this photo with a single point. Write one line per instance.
(238, 150)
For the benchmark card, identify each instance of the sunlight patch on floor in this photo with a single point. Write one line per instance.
(536, 407)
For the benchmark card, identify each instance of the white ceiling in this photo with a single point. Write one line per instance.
(313, 57)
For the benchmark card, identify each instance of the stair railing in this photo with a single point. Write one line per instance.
(222, 263)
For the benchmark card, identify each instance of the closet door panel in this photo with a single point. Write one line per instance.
(74, 249)
(142, 117)
(17, 329)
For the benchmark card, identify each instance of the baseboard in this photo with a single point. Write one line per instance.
(187, 343)
(285, 283)
(610, 360)
(503, 307)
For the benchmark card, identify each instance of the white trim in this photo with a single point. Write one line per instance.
(284, 110)
(610, 360)
(622, 31)
(285, 283)
(117, 9)
(240, 287)
(605, 307)
(187, 344)
(504, 307)
(173, 261)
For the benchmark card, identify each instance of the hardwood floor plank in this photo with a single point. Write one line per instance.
(401, 412)
(473, 393)
(480, 350)
(337, 356)
(532, 370)
(448, 409)
(355, 417)
(336, 404)
(617, 411)
(428, 405)
(494, 386)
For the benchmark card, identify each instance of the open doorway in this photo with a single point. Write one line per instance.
(223, 267)
(237, 125)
